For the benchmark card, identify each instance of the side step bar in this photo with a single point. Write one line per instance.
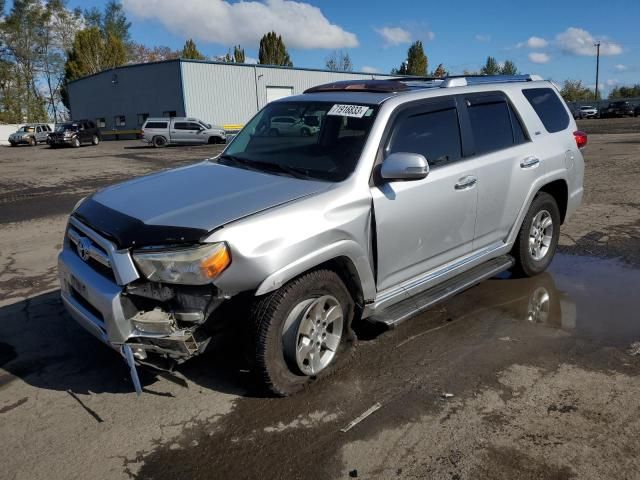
(398, 313)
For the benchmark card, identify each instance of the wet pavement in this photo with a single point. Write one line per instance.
(581, 313)
(494, 344)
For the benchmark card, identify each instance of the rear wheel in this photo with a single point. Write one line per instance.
(302, 331)
(538, 237)
(95, 140)
(159, 142)
(13, 144)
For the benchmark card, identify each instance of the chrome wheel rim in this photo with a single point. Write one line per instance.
(539, 306)
(312, 333)
(540, 235)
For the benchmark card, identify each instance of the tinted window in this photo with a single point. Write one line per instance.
(194, 126)
(491, 125)
(548, 107)
(91, 124)
(156, 125)
(436, 135)
(180, 126)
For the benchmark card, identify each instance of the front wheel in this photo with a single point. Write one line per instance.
(76, 143)
(302, 331)
(538, 237)
(32, 142)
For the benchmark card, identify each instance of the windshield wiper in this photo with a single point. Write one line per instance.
(268, 166)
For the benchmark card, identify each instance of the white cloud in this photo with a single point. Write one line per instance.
(536, 42)
(539, 57)
(620, 67)
(580, 42)
(431, 35)
(393, 36)
(367, 69)
(482, 37)
(612, 82)
(250, 60)
(218, 21)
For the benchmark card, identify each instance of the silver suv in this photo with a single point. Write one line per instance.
(30, 134)
(161, 132)
(410, 191)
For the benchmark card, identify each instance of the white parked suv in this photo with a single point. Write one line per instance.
(161, 132)
(409, 192)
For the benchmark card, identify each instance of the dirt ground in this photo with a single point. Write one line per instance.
(515, 378)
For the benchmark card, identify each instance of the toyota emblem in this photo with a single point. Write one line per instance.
(84, 247)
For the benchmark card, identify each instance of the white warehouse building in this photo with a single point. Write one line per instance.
(226, 94)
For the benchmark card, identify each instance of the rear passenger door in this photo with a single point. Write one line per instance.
(178, 132)
(423, 224)
(506, 165)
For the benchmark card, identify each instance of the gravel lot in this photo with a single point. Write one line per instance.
(556, 396)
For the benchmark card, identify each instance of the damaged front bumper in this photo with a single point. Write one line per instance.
(151, 322)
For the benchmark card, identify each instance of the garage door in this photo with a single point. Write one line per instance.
(274, 93)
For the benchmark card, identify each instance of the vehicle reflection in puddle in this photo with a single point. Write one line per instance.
(587, 297)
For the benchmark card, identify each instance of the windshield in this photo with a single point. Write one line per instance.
(319, 140)
(66, 126)
(27, 129)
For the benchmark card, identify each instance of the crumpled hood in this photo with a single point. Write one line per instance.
(198, 198)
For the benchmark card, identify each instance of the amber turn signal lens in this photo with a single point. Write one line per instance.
(214, 265)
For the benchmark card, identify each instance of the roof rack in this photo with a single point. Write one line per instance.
(401, 84)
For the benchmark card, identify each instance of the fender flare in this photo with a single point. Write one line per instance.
(342, 248)
(535, 188)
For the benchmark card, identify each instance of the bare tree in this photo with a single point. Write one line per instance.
(339, 61)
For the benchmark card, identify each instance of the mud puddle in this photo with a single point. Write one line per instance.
(584, 312)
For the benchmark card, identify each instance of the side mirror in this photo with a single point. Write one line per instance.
(404, 166)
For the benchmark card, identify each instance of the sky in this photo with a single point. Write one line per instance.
(551, 38)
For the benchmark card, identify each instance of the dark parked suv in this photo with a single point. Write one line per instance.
(617, 109)
(74, 134)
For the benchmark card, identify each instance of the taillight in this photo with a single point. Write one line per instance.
(581, 138)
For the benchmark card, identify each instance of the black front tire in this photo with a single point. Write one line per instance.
(268, 316)
(526, 265)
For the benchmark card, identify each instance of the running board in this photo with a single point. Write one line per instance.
(398, 313)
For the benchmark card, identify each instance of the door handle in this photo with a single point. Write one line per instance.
(530, 162)
(466, 183)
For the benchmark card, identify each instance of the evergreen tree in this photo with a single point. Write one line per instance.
(491, 67)
(238, 54)
(273, 51)
(417, 62)
(509, 68)
(190, 51)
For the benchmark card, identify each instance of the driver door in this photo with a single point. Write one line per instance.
(423, 224)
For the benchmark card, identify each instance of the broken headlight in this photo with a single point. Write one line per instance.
(187, 266)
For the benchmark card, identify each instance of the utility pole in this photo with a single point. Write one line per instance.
(597, 45)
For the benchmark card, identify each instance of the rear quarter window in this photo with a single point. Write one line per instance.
(549, 108)
(156, 125)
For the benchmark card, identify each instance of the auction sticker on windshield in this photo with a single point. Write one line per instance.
(357, 111)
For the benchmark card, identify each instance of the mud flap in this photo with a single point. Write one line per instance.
(127, 353)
